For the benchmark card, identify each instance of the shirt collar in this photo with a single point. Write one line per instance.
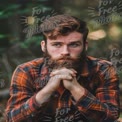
(88, 66)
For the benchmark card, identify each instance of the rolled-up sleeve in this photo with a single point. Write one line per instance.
(22, 103)
(104, 105)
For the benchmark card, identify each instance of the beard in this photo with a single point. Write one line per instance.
(65, 61)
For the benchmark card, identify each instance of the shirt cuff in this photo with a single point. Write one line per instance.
(85, 101)
(31, 106)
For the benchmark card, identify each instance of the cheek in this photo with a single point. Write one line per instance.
(54, 53)
(76, 51)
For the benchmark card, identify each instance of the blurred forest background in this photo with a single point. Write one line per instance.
(20, 36)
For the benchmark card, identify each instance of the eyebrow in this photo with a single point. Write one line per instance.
(79, 41)
(76, 42)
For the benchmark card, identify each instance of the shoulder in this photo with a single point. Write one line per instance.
(100, 64)
(99, 61)
(105, 69)
(33, 64)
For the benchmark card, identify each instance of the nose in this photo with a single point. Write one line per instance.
(65, 50)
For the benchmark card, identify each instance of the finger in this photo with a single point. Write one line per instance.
(62, 71)
(69, 71)
(55, 72)
(63, 77)
(74, 70)
(66, 77)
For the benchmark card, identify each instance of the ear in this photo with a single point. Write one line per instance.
(86, 45)
(42, 45)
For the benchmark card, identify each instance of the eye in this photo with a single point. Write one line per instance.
(74, 45)
(56, 45)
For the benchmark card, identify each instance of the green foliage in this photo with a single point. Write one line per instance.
(33, 41)
(9, 10)
(2, 36)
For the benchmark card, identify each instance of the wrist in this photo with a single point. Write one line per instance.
(77, 92)
(42, 96)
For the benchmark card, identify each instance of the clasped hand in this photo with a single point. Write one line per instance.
(67, 76)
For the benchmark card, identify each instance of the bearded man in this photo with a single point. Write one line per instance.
(65, 85)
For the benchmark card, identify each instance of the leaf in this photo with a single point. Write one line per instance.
(1, 13)
(13, 6)
(2, 36)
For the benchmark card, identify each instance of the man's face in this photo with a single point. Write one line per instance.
(64, 49)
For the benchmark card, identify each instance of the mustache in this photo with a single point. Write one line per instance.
(67, 58)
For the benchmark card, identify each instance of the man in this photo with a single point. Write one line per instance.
(66, 85)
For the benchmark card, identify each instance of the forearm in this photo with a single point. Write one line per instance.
(42, 96)
(19, 112)
(77, 92)
(104, 103)
(94, 109)
(27, 109)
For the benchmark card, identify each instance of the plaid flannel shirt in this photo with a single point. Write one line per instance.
(100, 103)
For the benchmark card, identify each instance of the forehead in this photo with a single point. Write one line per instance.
(73, 36)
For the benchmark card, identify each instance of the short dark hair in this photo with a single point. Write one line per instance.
(63, 25)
